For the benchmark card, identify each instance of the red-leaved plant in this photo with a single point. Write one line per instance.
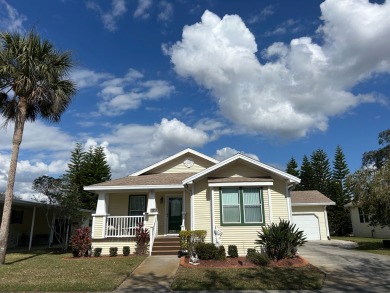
(81, 241)
(142, 239)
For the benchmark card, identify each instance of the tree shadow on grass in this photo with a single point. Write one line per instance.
(28, 254)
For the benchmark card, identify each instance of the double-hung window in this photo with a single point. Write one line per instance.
(241, 206)
(364, 217)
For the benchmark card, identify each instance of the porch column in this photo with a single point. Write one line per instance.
(99, 219)
(152, 201)
(183, 212)
(32, 228)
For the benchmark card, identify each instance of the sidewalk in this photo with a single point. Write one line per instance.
(154, 274)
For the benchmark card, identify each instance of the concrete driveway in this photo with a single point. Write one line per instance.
(348, 270)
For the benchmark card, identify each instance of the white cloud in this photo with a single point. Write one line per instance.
(87, 78)
(109, 18)
(303, 83)
(10, 19)
(142, 9)
(228, 152)
(263, 15)
(166, 12)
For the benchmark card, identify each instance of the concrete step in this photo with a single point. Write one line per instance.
(164, 252)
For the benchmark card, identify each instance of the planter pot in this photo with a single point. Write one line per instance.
(386, 243)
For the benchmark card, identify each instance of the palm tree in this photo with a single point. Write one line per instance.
(33, 84)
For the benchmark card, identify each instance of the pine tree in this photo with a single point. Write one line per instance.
(321, 171)
(292, 167)
(306, 174)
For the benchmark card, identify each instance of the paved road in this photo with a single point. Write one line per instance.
(348, 270)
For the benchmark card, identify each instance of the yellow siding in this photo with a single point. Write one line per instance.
(98, 224)
(318, 211)
(202, 215)
(238, 169)
(364, 230)
(279, 201)
(118, 204)
(177, 166)
(105, 244)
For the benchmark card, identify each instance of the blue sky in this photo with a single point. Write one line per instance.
(271, 79)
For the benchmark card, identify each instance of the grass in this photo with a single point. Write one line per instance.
(41, 271)
(262, 278)
(373, 245)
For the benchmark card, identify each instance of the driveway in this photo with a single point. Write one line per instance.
(348, 270)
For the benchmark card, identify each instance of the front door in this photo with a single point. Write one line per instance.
(174, 215)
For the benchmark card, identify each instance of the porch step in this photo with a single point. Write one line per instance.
(166, 246)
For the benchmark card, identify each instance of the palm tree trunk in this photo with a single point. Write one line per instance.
(17, 140)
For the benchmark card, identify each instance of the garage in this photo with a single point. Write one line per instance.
(309, 224)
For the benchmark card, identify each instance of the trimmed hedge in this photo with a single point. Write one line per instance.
(232, 251)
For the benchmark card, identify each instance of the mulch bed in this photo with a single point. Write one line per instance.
(242, 262)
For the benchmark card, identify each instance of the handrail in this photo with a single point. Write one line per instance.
(122, 226)
(154, 232)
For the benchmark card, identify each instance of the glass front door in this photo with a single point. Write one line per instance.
(174, 215)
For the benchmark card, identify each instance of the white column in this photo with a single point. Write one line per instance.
(151, 200)
(183, 212)
(32, 229)
(192, 208)
(288, 198)
(102, 204)
(326, 223)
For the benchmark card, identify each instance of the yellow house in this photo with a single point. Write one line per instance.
(192, 191)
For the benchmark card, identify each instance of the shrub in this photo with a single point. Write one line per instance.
(280, 240)
(126, 250)
(97, 252)
(258, 258)
(113, 251)
(232, 251)
(188, 238)
(142, 239)
(221, 253)
(81, 242)
(206, 250)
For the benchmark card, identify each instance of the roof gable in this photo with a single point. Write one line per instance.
(157, 167)
(309, 197)
(247, 160)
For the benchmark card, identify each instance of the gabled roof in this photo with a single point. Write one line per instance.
(247, 159)
(177, 155)
(309, 197)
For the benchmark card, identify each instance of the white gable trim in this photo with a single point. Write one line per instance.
(191, 151)
(236, 157)
(132, 187)
(329, 203)
(241, 184)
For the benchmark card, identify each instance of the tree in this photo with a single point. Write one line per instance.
(292, 167)
(321, 171)
(339, 218)
(306, 175)
(86, 168)
(62, 208)
(379, 157)
(371, 190)
(33, 84)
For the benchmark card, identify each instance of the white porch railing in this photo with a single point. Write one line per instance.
(122, 226)
(152, 234)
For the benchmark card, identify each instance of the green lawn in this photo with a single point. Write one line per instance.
(373, 245)
(262, 278)
(47, 271)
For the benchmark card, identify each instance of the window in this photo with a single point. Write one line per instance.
(241, 206)
(137, 205)
(364, 218)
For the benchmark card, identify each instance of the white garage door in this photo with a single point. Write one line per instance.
(309, 224)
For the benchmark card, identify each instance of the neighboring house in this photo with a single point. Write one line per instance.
(360, 224)
(28, 226)
(191, 191)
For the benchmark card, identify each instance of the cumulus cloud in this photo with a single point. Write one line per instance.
(263, 15)
(84, 77)
(10, 19)
(166, 12)
(228, 152)
(302, 84)
(109, 18)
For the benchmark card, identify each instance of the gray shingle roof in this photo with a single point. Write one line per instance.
(151, 179)
(309, 197)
